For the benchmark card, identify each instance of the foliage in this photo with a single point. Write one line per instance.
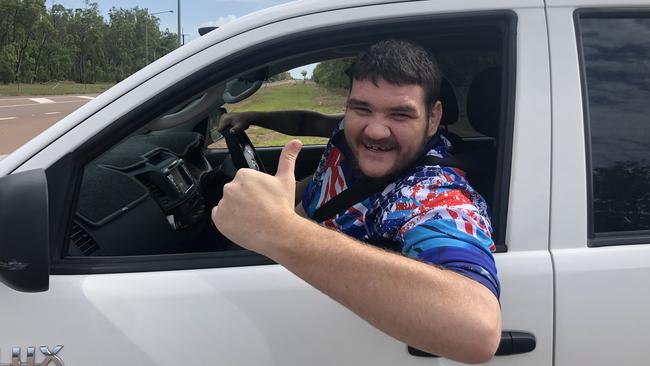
(331, 73)
(281, 76)
(38, 44)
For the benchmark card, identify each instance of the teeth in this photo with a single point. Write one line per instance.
(376, 148)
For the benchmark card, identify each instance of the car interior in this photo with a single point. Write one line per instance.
(152, 192)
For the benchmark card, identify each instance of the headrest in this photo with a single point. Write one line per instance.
(449, 103)
(484, 101)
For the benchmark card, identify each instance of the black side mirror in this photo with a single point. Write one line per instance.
(206, 30)
(24, 231)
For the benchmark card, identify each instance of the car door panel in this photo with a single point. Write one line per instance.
(601, 296)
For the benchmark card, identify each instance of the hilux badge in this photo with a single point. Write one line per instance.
(50, 359)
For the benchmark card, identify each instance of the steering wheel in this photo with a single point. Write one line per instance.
(242, 153)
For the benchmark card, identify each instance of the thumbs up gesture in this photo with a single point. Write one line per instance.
(257, 208)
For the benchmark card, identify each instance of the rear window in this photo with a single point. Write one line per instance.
(616, 54)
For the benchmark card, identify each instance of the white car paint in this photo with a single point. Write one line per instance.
(586, 306)
(601, 298)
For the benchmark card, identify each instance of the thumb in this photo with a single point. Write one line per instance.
(287, 163)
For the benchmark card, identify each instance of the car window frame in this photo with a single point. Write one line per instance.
(66, 190)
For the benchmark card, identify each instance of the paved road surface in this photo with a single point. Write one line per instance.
(22, 118)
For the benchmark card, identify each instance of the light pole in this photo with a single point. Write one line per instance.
(146, 32)
(183, 35)
(178, 31)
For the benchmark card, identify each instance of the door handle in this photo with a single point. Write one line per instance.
(512, 342)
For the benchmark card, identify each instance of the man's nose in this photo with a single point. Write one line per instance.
(376, 130)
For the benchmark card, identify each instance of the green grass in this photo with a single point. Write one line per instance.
(65, 87)
(298, 95)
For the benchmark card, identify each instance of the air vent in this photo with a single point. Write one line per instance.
(82, 240)
(159, 195)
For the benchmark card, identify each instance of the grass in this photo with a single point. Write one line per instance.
(53, 88)
(287, 96)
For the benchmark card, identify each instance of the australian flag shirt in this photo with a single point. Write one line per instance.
(430, 212)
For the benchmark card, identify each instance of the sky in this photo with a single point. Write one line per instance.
(194, 13)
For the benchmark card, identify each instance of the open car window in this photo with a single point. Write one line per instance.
(149, 195)
(290, 90)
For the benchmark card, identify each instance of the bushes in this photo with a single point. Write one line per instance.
(331, 73)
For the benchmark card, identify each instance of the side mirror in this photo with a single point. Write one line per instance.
(24, 231)
(206, 30)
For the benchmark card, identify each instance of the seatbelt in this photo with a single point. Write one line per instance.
(362, 190)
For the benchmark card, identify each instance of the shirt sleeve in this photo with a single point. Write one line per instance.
(449, 231)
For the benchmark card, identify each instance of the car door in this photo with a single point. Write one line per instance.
(600, 225)
(237, 307)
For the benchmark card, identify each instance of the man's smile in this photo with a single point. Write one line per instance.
(377, 148)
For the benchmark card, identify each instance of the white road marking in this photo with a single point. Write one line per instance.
(42, 100)
(85, 97)
(3, 99)
(6, 118)
(28, 105)
(52, 112)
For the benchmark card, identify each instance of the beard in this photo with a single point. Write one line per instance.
(401, 168)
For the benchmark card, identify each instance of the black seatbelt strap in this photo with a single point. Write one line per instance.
(362, 190)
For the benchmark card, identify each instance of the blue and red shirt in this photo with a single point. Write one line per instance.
(430, 212)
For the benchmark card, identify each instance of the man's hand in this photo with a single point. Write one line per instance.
(237, 121)
(257, 208)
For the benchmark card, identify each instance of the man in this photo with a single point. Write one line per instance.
(441, 293)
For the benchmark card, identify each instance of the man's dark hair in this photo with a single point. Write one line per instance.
(399, 62)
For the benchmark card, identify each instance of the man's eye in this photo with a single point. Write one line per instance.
(361, 110)
(401, 116)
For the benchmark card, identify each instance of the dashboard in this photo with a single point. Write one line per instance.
(147, 195)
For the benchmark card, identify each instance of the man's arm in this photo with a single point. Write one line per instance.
(433, 309)
(296, 123)
(424, 306)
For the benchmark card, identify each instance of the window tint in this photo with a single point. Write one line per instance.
(616, 53)
(461, 67)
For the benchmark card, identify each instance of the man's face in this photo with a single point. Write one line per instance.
(387, 125)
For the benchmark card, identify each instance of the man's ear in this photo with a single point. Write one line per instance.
(435, 115)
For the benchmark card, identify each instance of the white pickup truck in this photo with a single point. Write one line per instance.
(107, 255)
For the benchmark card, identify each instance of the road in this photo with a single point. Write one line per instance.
(22, 118)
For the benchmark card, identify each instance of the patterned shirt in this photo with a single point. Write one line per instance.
(430, 212)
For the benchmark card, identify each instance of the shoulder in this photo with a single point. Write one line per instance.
(422, 184)
(431, 192)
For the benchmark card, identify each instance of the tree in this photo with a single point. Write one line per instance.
(40, 44)
(27, 16)
(304, 75)
(281, 76)
(331, 73)
(8, 59)
(87, 29)
(57, 52)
